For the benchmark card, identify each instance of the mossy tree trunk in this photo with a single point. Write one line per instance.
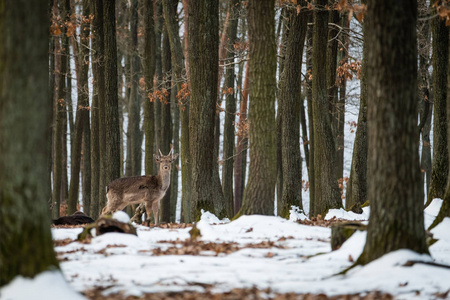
(357, 184)
(230, 110)
(439, 167)
(260, 190)
(203, 66)
(112, 137)
(326, 190)
(98, 175)
(392, 129)
(26, 246)
(445, 208)
(290, 101)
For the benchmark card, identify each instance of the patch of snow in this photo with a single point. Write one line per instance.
(49, 285)
(121, 216)
(432, 211)
(212, 219)
(296, 214)
(348, 215)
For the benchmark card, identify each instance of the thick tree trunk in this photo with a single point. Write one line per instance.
(392, 129)
(326, 194)
(260, 189)
(290, 101)
(98, 175)
(26, 240)
(203, 50)
(111, 98)
(439, 168)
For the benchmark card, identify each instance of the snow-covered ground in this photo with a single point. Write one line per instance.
(267, 252)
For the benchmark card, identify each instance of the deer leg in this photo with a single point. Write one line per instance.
(155, 208)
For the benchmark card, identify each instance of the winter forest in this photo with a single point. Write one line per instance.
(224, 149)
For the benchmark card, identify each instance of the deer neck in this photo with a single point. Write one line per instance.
(164, 179)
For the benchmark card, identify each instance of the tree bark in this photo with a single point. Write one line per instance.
(439, 167)
(230, 110)
(111, 99)
(98, 115)
(357, 184)
(396, 216)
(309, 99)
(204, 59)
(240, 163)
(26, 246)
(177, 65)
(326, 194)
(134, 104)
(260, 189)
(290, 101)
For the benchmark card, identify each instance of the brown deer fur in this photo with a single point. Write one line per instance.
(146, 189)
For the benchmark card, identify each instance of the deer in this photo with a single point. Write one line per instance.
(147, 189)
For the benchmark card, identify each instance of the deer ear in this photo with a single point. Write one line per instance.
(157, 158)
(174, 156)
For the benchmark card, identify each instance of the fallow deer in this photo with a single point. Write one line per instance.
(146, 189)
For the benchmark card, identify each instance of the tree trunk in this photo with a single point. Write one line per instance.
(177, 65)
(439, 168)
(98, 115)
(58, 137)
(392, 129)
(309, 99)
(326, 190)
(357, 184)
(332, 52)
(134, 104)
(166, 134)
(260, 189)
(290, 101)
(425, 104)
(241, 147)
(203, 39)
(82, 115)
(111, 99)
(86, 197)
(230, 111)
(26, 240)
(285, 21)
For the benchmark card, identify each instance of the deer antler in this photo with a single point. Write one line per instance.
(170, 153)
(160, 153)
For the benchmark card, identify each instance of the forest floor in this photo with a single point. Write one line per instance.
(253, 257)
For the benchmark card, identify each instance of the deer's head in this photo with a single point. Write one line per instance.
(165, 161)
